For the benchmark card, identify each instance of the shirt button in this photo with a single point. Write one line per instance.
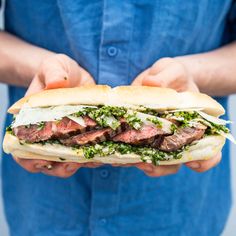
(104, 173)
(112, 51)
(103, 221)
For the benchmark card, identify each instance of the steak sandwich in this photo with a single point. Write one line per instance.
(116, 125)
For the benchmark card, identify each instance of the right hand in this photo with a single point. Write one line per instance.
(57, 71)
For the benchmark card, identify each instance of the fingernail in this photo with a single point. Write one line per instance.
(38, 166)
(194, 165)
(70, 168)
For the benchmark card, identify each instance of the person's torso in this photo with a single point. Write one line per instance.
(115, 41)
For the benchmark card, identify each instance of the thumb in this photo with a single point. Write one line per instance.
(86, 78)
(138, 81)
(36, 86)
(54, 75)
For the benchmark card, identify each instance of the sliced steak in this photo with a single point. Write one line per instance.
(53, 129)
(176, 122)
(182, 137)
(91, 137)
(67, 127)
(144, 135)
(33, 133)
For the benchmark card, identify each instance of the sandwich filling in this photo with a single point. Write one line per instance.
(105, 130)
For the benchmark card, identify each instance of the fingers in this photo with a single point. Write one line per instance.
(201, 166)
(139, 80)
(36, 86)
(54, 71)
(170, 74)
(167, 73)
(33, 166)
(64, 73)
(86, 78)
(154, 70)
(62, 170)
(59, 71)
(157, 171)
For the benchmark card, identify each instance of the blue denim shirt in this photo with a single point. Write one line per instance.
(115, 41)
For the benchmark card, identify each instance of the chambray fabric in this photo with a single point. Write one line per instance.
(115, 41)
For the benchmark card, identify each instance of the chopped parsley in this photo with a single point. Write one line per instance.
(216, 129)
(186, 117)
(50, 141)
(90, 151)
(155, 121)
(173, 128)
(148, 111)
(147, 154)
(9, 129)
(133, 120)
(108, 116)
(41, 125)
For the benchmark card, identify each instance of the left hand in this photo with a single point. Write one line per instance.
(171, 73)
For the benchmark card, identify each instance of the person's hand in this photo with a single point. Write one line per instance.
(167, 73)
(57, 71)
(171, 73)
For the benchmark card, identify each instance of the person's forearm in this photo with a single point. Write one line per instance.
(19, 60)
(214, 72)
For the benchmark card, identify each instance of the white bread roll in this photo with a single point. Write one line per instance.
(201, 150)
(160, 99)
(153, 97)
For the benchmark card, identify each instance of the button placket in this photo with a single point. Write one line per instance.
(113, 65)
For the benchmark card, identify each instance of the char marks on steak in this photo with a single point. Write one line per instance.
(95, 136)
(71, 133)
(182, 137)
(145, 135)
(33, 133)
(91, 137)
(53, 129)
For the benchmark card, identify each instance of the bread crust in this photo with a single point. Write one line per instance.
(153, 97)
(201, 150)
(89, 95)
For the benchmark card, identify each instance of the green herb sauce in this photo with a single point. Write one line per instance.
(41, 125)
(9, 129)
(147, 154)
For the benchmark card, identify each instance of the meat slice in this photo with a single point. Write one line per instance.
(91, 137)
(53, 129)
(145, 135)
(182, 137)
(67, 127)
(33, 133)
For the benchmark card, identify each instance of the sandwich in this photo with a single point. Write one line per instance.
(121, 125)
